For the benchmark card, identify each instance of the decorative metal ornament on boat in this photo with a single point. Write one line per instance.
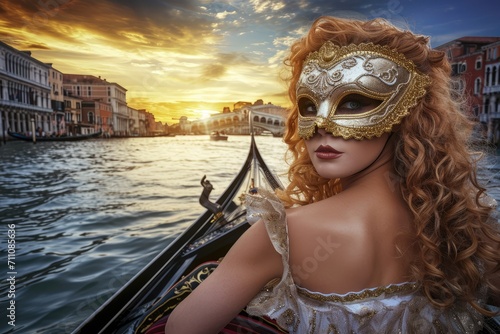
(334, 76)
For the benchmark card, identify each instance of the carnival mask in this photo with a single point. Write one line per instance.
(356, 91)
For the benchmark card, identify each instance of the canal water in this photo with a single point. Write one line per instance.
(89, 215)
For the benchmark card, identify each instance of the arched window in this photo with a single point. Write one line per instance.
(479, 63)
(477, 86)
(475, 110)
(463, 67)
(494, 76)
(91, 117)
(488, 73)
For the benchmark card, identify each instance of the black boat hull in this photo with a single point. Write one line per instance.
(207, 239)
(60, 138)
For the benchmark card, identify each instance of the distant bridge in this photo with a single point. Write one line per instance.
(238, 123)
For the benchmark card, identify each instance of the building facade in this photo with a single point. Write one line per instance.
(56, 100)
(491, 92)
(99, 115)
(475, 65)
(90, 87)
(72, 123)
(25, 93)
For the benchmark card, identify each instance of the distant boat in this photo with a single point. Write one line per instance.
(217, 136)
(54, 138)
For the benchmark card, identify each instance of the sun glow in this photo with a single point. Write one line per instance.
(204, 113)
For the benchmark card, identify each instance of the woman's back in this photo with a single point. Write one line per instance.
(355, 240)
(336, 284)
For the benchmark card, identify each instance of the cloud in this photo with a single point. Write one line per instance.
(224, 14)
(35, 46)
(189, 50)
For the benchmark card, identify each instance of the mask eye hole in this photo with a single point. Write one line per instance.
(354, 104)
(307, 108)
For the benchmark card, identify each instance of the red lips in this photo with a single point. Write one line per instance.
(327, 152)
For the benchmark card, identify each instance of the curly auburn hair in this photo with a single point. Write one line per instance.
(457, 241)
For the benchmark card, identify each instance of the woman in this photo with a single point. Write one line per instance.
(386, 228)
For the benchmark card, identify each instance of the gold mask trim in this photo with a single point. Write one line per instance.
(364, 69)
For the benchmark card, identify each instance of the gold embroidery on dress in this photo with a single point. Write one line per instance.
(332, 329)
(291, 319)
(365, 315)
(312, 322)
(271, 284)
(354, 296)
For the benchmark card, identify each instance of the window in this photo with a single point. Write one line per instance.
(477, 86)
(89, 91)
(78, 105)
(463, 67)
(475, 110)
(488, 73)
(479, 63)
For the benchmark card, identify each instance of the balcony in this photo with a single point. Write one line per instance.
(485, 118)
(20, 105)
(491, 89)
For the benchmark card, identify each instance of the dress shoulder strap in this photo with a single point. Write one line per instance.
(267, 206)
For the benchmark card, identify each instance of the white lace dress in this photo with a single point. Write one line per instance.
(398, 308)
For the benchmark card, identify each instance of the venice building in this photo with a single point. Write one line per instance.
(92, 88)
(475, 66)
(25, 93)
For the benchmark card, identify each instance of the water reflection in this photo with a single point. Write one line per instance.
(89, 215)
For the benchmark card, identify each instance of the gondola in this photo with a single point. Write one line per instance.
(205, 241)
(54, 138)
(165, 281)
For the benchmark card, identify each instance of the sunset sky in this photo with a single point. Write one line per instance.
(193, 57)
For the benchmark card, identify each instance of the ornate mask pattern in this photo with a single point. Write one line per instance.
(371, 71)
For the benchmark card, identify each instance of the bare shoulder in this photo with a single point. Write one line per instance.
(344, 244)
